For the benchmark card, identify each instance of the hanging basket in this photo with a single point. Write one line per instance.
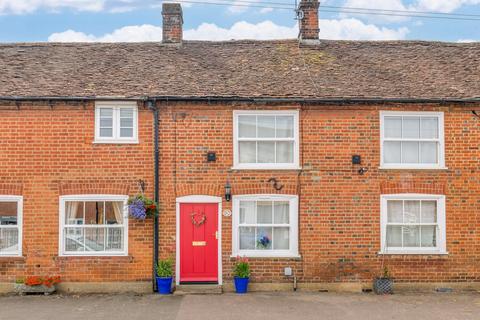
(383, 285)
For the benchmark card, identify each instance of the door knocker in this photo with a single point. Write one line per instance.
(198, 223)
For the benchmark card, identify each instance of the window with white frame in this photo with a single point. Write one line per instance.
(116, 122)
(266, 140)
(11, 225)
(265, 226)
(413, 224)
(412, 140)
(93, 225)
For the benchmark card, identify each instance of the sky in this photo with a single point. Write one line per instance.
(136, 20)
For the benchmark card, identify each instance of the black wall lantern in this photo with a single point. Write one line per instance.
(228, 191)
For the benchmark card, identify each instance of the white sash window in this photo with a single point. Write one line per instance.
(413, 223)
(266, 140)
(412, 140)
(11, 208)
(93, 225)
(116, 122)
(265, 226)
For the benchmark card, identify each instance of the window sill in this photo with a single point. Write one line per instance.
(115, 142)
(12, 257)
(263, 256)
(419, 252)
(255, 167)
(411, 168)
(100, 255)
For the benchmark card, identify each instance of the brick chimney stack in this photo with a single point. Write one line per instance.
(172, 23)
(308, 20)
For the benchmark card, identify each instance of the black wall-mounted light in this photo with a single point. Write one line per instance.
(228, 191)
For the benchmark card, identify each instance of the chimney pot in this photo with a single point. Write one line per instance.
(172, 23)
(308, 23)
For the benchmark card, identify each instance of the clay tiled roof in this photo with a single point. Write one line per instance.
(340, 69)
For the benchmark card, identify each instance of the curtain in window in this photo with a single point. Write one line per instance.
(118, 211)
(71, 208)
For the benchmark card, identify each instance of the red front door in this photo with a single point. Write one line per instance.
(198, 242)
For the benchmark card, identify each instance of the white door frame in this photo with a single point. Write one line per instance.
(198, 199)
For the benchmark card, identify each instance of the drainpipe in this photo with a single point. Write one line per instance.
(152, 105)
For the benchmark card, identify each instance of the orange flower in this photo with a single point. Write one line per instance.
(37, 281)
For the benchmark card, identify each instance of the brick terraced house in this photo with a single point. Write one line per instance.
(329, 159)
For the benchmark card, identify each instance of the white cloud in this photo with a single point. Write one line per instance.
(266, 10)
(354, 29)
(241, 30)
(121, 9)
(441, 6)
(345, 29)
(466, 41)
(238, 7)
(444, 6)
(29, 6)
(376, 4)
(141, 33)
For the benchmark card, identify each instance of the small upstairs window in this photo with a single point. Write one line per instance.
(412, 140)
(116, 122)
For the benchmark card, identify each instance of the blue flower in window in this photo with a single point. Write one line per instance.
(263, 242)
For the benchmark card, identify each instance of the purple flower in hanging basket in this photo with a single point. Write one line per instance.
(137, 209)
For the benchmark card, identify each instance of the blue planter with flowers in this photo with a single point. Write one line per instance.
(241, 284)
(241, 275)
(164, 276)
(164, 285)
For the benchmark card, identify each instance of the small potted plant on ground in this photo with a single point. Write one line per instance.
(164, 276)
(36, 284)
(241, 275)
(384, 283)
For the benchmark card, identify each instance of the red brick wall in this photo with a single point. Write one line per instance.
(46, 152)
(339, 209)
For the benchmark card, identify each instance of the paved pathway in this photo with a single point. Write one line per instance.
(262, 306)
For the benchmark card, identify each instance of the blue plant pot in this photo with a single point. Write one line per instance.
(241, 284)
(164, 285)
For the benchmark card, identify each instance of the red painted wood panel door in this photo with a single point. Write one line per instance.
(198, 242)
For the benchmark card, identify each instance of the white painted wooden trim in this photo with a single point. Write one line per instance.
(294, 235)
(441, 222)
(267, 166)
(441, 139)
(92, 197)
(19, 201)
(116, 106)
(197, 199)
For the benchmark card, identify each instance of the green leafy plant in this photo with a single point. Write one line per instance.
(20, 281)
(164, 268)
(386, 272)
(241, 268)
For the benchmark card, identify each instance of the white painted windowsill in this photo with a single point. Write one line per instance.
(109, 254)
(263, 256)
(256, 167)
(419, 252)
(115, 142)
(395, 167)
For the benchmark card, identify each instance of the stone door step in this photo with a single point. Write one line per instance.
(184, 289)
